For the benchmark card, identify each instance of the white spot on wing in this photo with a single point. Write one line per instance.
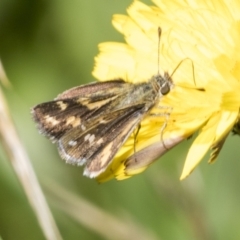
(87, 137)
(72, 143)
(91, 138)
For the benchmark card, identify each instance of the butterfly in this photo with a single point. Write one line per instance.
(90, 123)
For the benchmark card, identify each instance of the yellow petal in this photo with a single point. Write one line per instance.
(200, 146)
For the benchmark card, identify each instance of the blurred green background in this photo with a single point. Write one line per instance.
(47, 47)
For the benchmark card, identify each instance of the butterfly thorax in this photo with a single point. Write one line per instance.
(146, 93)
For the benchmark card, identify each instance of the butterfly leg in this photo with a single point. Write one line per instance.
(135, 138)
(166, 115)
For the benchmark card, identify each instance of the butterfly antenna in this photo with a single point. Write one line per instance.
(159, 38)
(169, 77)
(193, 71)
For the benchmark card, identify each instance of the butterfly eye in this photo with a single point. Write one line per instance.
(165, 88)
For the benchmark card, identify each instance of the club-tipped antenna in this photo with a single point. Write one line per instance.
(193, 71)
(175, 69)
(159, 38)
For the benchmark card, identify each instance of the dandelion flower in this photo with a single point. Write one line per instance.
(204, 37)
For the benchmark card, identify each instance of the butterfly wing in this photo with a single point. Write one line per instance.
(97, 146)
(76, 106)
(93, 90)
(143, 158)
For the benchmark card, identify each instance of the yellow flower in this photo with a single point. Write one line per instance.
(205, 36)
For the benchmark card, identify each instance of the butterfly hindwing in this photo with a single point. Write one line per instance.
(146, 156)
(97, 146)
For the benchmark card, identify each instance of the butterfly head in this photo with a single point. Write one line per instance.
(165, 83)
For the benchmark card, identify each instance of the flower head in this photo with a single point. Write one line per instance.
(203, 36)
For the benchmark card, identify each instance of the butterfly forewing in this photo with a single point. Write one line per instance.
(87, 103)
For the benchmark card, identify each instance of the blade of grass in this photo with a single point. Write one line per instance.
(96, 219)
(23, 169)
